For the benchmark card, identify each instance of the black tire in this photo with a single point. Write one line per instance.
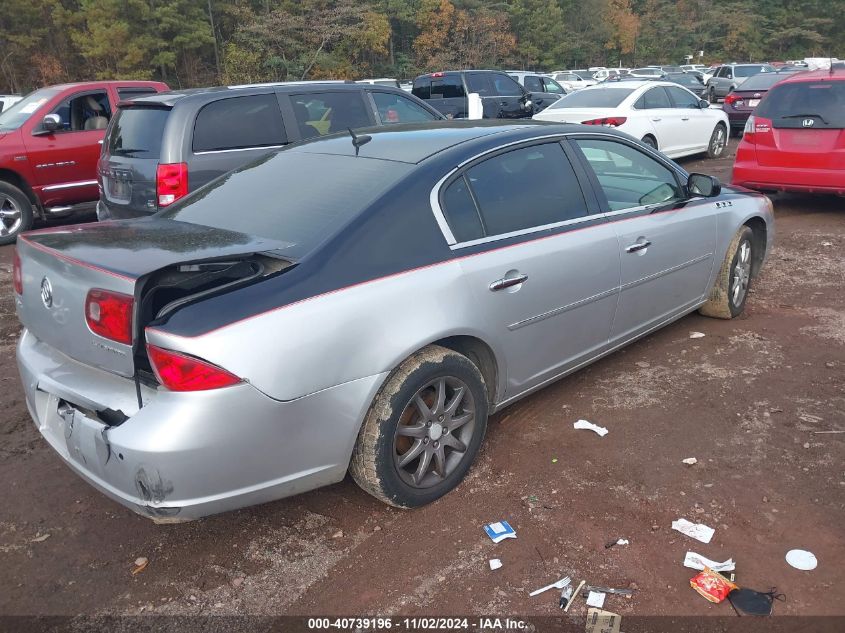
(15, 213)
(650, 141)
(722, 303)
(711, 95)
(718, 142)
(374, 465)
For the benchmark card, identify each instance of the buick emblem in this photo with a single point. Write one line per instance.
(46, 293)
(808, 122)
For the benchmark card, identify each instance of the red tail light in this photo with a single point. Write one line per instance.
(171, 182)
(179, 372)
(437, 74)
(732, 99)
(611, 121)
(17, 275)
(109, 314)
(755, 125)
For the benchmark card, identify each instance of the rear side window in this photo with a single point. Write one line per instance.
(480, 83)
(394, 108)
(748, 71)
(422, 88)
(447, 87)
(461, 212)
(526, 188)
(322, 113)
(238, 123)
(505, 86)
(788, 105)
(137, 132)
(533, 84)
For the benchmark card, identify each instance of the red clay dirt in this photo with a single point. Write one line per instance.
(745, 400)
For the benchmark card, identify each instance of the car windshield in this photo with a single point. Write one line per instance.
(748, 71)
(293, 197)
(604, 97)
(823, 101)
(18, 114)
(763, 81)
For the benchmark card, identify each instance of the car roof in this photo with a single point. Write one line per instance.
(824, 74)
(416, 142)
(211, 94)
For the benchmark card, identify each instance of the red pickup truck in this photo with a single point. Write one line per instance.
(49, 146)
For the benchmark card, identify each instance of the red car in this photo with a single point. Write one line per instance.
(795, 140)
(49, 148)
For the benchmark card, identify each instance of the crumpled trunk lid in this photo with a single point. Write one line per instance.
(60, 266)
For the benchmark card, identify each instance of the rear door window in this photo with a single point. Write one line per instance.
(533, 84)
(628, 177)
(137, 132)
(394, 108)
(461, 212)
(479, 83)
(447, 87)
(239, 123)
(321, 113)
(526, 188)
(790, 105)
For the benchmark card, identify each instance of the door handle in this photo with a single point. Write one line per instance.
(684, 118)
(639, 246)
(657, 119)
(501, 284)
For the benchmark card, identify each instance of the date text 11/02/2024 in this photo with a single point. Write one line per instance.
(417, 623)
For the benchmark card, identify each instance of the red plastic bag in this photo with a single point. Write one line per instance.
(712, 585)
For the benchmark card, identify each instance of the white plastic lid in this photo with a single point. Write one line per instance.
(801, 559)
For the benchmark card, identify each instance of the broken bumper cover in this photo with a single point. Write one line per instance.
(183, 456)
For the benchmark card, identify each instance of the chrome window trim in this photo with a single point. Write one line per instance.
(443, 223)
(237, 149)
(69, 185)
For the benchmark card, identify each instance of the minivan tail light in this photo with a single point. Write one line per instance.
(17, 275)
(171, 182)
(610, 121)
(109, 314)
(179, 372)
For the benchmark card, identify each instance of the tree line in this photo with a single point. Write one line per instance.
(205, 42)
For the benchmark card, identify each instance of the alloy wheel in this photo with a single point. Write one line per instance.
(717, 145)
(11, 216)
(433, 432)
(741, 273)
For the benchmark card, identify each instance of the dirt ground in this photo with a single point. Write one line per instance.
(747, 400)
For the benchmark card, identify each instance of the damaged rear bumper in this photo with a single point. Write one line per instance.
(183, 456)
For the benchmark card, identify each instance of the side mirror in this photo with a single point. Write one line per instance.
(703, 104)
(51, 122)
(703, 185)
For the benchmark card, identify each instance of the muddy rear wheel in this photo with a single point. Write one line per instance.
(729, 294)
(423, 430)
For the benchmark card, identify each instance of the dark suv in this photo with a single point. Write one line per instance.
(162, 147)
(501, 96)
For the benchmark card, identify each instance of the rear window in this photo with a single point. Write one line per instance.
(762, 81)
(137, 132)
(604, 97)
(789, 104)
(290, 196)
(748, 71)
(239, 123)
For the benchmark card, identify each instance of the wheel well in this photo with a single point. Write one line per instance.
(481, 355)
(13, 178)
(653, 138)
(759, 234)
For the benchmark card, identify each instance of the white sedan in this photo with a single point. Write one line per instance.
(662, 114)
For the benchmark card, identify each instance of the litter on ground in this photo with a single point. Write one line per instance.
(495, 563)
(599, 621)
(699, 562)
(589, 426)
(698, 531)
(689, 461)
(595, 599)
(801, 559)
(499, 531)
(697, 335)
(559, 584)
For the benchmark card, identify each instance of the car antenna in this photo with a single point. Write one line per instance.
(358, 141)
